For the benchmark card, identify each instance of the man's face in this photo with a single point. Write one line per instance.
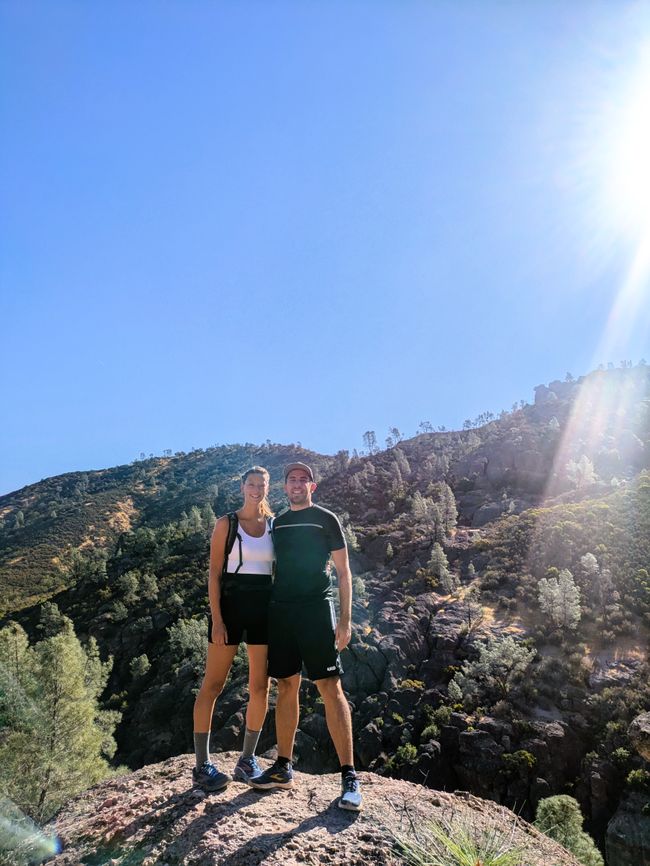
(299, 487)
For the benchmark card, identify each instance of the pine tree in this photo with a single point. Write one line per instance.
(438, 568)
(448, 507)
(559, 597)
(55, 748)
(502, 665)
(560, 818)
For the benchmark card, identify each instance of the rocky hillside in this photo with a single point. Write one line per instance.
(502, 596)
(154, 816)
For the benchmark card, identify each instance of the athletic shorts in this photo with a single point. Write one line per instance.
(303, 633)
(246, 616)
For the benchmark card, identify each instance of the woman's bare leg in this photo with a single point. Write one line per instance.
(258, 686)
(217, 668)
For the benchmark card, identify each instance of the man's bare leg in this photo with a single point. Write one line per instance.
(337, 716)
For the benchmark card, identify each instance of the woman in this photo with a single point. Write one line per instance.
(239, 587)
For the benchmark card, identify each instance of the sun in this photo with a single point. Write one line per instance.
(627, 139)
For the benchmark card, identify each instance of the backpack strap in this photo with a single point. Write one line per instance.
(269, 521)
(233, 535)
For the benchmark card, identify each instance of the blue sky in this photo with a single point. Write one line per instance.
(297, 221)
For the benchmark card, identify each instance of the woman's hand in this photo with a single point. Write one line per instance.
(219, 633)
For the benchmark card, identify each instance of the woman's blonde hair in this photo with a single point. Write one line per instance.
(260, 470)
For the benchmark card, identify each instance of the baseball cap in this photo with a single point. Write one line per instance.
(299, 465)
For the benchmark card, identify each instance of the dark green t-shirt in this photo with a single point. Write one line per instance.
(303, 542)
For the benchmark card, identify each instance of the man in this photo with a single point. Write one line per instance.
(303, 628)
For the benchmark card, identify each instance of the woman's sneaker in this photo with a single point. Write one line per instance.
(247, 769)
(277, 776)
(209, 778)
(350, 793)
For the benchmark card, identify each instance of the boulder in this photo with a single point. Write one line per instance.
(639, 732)
(628, 833)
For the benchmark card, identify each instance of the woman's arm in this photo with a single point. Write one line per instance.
(217, 554)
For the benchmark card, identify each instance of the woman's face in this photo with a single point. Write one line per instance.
(255, 488)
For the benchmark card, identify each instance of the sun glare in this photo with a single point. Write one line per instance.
(613, 180)
(628, 184)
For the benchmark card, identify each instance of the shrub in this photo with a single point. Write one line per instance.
(459, 843)
(518, 762)
(639, 780)
(431, 732)
(560, 819)
(411, 684)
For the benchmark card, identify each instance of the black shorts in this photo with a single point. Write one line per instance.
(246, 616)
(303, 632)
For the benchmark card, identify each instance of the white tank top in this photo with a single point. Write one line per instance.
(257, 554)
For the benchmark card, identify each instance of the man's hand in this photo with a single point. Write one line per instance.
(219, 633)
(343, 634)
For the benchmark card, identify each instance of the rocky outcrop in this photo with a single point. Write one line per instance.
(639, 732)
(628, 833)
(154, 816)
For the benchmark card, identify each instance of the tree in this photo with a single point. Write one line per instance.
(560, 818)
(58, 738)
(370, 442)
(438, 568)
(51, 621)
(473, 612)
(448, 508)
(139, 666)
(589, 564)
(559, 598)
(582, 473)
(501, 667)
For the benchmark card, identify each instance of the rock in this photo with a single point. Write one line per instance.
(243, 827)
(639, 732)
(628, 833)
(544, 395)
(368, 744)
(487, 513)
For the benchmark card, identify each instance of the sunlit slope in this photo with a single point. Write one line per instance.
(603, 542)
(42, 525)
(579, 439)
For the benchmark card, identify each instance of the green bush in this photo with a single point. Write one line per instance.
(560, 819)
(639, 780)
(518, 762)
(431, 732)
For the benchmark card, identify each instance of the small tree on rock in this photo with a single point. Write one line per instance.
(501, 667)
(560, 818)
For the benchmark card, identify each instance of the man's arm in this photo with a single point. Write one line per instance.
(344, 625)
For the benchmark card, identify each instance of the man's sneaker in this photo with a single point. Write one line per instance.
(350, 793)
(277, 776)
(246, 769)
(209, 778)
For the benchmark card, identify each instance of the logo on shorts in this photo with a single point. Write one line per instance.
(332, 668)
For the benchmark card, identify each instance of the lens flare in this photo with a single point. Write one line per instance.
(22, 838)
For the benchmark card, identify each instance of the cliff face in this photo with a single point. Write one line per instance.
(154, 816)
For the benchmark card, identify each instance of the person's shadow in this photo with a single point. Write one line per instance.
(156, 822)
(257, 849)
